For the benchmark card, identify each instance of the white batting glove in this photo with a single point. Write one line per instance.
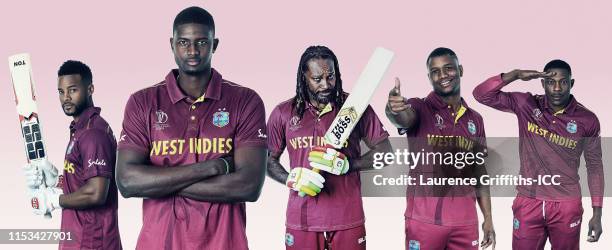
(45, 200)
(49, 172)
(33, 176)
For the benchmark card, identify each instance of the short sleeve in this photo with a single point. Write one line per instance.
(371, 128)
(134, 134)
(97, 149)
(276, 131)
(251, 128)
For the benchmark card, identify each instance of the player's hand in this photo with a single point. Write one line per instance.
(595, 230)
(328, 160)
(304, 180)
(396, 102)
(49, 172)
(45, 200)
(527, 75)
(33, 176)
(488, 234)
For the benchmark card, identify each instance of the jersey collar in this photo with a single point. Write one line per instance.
(84, 118)
(328, 108)
(569, 109)
(213, 91)
(436, 101)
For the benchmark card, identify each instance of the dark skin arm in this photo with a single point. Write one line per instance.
(595, 230)
(365, 161)
(92, 194)
(275, 170)
(525, 75)
(244, 184)
(398, 112)
(484, 202)
(136, 177)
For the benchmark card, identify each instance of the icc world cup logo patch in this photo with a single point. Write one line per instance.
(221, 118)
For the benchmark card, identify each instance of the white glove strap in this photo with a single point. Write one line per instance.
(55, 198)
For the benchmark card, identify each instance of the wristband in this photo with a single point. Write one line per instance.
(226, 165)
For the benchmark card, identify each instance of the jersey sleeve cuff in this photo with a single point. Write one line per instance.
(257, 143)
(380, 138)
(98, 173)
(597, 201)
(134, 147)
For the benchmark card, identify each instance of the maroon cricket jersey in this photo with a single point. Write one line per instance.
(91, 153)
(551, 143)
(339, 205)
(440, 129)
(174, 130)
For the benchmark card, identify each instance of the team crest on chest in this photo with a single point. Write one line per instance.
(221, 118)
(439, 121)
(471, 127)
(571, 127)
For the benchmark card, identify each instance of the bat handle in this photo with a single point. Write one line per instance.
(302, 194)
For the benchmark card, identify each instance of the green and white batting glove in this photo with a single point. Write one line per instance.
(305, 181)
(328, 160)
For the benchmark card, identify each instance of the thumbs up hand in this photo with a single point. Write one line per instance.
(396, 102)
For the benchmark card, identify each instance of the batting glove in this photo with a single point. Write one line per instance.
(45, 200)
(328, 160)
(305, 181)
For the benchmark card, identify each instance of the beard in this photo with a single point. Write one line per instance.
(319, 98)
(77, 110)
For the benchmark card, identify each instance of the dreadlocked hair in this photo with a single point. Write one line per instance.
(301, 90)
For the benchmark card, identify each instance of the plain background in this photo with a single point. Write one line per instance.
(126, 43)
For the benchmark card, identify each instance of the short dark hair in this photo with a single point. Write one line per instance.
(558, 64)
(194, 14)
(73, 67)
(441, 51)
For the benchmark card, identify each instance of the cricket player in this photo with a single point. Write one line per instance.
(554, 131)
(86, 192)
(443, 217)
(330, 215)
(194, 147)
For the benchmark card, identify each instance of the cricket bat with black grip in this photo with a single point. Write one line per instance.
(25, 100)
(358, 100)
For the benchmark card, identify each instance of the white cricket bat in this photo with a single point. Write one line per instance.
(25, 99)
(358, 100)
